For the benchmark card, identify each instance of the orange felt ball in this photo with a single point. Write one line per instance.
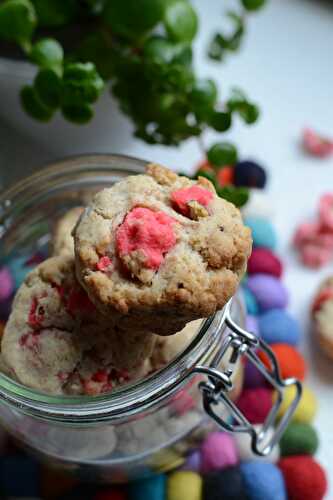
(290, 361)
(225, 176)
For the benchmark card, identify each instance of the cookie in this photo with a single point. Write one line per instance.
(159, 250)
(55, 332)
(62, 239)
(322, 312)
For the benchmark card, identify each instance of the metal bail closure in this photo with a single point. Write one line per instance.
(240, 343)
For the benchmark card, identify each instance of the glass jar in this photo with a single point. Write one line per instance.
(149, 426)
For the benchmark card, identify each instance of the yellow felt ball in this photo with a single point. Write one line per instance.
(184, 485)
(306, 408)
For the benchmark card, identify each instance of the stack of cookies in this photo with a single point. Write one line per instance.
(128, 274)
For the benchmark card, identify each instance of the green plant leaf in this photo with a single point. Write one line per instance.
(95, 49)
(203, 94)
(181, 21)
(48, 87)
(222, 153)
(78, 114)
(52, 13)
(236, 195)
(47, 53)
(81, 84)
(133, 18)
(253, 4)
(220, 121)
(17, 21)
(33, 106)
(221, 44)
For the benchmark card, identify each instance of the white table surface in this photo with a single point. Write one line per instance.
(285, 65)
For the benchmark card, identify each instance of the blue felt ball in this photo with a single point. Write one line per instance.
(152, 488)
(19, 476)
(250, 302)
(263, 233)
(251, 325)
(263, 481)
(277, 326)
(19, 269)
(249, 174)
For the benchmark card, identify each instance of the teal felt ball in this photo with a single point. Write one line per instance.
(250, 302)
(299, 439)
(263, 233)
(151, 488)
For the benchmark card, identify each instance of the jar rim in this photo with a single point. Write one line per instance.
(127, 400)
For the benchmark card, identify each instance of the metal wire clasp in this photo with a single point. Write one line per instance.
(240, 343)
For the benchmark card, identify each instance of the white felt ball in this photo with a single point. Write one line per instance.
(259, 205)
(243, 444)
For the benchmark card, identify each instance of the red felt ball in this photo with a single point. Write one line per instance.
(111, 494)
(263, 261)
(290, 361)
(255, 404)
(305, 479)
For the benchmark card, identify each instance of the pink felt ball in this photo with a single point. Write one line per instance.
(255, 404)
(264, 261)
(6, 283)
(218, 451)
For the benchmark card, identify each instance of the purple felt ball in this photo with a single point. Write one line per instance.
(218, 451)
(251, 325)
(6, 283)
(253, 377)
(269, 292)
(193, 461)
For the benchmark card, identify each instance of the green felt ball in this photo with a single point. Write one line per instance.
(299, 439)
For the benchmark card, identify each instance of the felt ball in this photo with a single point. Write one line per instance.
(151, 488)
(263, 481)
(255, 404)
(19, 268)
(299, 439)
(6, 283)
(111, 494)
(243, 444)
(193, 461)
(304, 478)
(258, 205)
(306, 409)
(5, 308)
(263, 261)
(184, 484)
(263, 233)
(250, 301)
(290, 361)
(278, 326)
(54, 483)
(269, 292)
(251, 325)
(249, 174)
(252, 376)
(226, 484)
(26, 469)
(218, 451)
(225, 176)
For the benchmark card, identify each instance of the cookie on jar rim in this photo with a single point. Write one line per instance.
(159, 250)
(55, 336)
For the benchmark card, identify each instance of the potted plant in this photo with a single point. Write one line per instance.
(71, 54)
